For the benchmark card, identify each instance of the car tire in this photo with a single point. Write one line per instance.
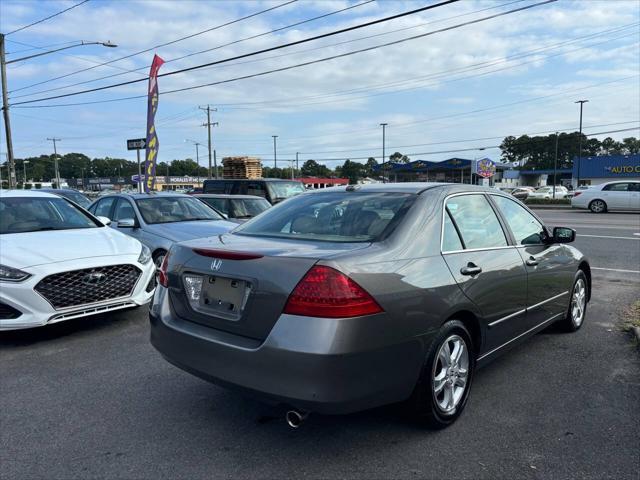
(439, 398)
(598, 206)
(574, 319)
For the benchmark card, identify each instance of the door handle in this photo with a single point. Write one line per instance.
(470, 269)
(532, 261)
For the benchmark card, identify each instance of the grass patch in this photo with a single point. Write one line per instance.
(631, 316)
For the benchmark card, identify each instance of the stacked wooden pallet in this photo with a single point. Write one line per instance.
(241, 167)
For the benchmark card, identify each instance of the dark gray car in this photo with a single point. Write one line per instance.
(345, 299)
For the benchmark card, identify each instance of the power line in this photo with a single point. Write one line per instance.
(190, 54)
(470, 149)
(251, 54)
(84, 59)
(283, 46)
(47, 18)
(161, 45)
(273, 56)
(472, 67)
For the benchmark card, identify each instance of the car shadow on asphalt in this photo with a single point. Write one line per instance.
(68, 328)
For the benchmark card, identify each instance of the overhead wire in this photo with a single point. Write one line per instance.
(231, 22)
(274, 56)
(252, 37)
(289, 67)
(46, 18)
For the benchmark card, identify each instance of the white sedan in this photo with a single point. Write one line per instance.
(547, 193)
(619, 195)
(58, 262)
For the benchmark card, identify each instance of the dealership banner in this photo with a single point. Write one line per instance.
(152, 138)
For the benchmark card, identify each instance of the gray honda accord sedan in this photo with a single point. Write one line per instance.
(345, 299)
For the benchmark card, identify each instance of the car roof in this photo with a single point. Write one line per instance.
(137, 195)
(227, 195)
(406, 187)
(27, 193)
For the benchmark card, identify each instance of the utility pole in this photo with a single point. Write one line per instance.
(581, 102)
(297, 163)
(275, 156)
(55, 159)
(24, 172)
(215, 162)
(209, 124)
(384, 173)
(555, 168)
(5, 112)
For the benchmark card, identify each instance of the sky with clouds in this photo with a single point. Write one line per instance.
(450, 93)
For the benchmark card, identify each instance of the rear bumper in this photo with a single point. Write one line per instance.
(311, 364)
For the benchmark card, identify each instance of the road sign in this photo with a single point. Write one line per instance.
(136, 144)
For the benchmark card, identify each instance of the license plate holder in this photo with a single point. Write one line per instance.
(224, 297)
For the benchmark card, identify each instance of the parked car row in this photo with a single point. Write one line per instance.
(620, 195)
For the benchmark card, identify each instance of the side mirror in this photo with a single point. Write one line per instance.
(563, 235)
(127, 223)
(104, 220)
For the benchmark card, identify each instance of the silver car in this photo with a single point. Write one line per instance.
(159, 220)
(349, 298)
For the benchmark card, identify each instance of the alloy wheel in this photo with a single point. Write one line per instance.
(450, 373)
(597, 206)
(578, 302)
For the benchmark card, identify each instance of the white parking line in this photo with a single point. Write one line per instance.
(615, 270)
(605, 236)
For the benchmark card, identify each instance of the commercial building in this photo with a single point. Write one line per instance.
(315, 182)
(597, 170)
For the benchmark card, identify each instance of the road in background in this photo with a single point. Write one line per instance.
(610, 240)
(90, 398)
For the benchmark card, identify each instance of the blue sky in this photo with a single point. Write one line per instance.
(453, 90)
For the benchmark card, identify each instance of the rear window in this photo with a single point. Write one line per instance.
(283, 190)
(332, 217)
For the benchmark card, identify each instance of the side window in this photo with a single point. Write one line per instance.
(634, 187)
(476, 221)
(123, 210)
(525, 227)
(219, 204)
(450, 238)
(256, 188)
(616, 187)
(103, 208)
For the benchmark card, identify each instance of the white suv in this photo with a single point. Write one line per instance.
(619, 195)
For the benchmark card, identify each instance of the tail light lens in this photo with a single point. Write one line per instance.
(163, 277)
(576, 194)
(326, 292)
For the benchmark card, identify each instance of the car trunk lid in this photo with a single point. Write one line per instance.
(240, 284)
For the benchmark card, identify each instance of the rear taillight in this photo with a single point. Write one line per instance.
(325, 292)
(576, 194)
(163, 277)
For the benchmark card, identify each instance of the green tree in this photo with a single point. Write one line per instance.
(369, 166)
(352, 170)
(397, 157)
(311, 168)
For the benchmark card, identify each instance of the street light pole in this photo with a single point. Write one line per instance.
(555, 168)
(384, 159)
(55, 160)
(275, 155)
(581, 102)
(197, 144)
(24, 172)
(5, 95)
(11, 167)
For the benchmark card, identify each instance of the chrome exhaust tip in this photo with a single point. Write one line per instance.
(295, 418)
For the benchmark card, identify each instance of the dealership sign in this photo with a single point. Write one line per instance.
(623, 169)
(485, 168)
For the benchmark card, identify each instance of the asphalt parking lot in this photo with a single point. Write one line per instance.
(90, 398)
